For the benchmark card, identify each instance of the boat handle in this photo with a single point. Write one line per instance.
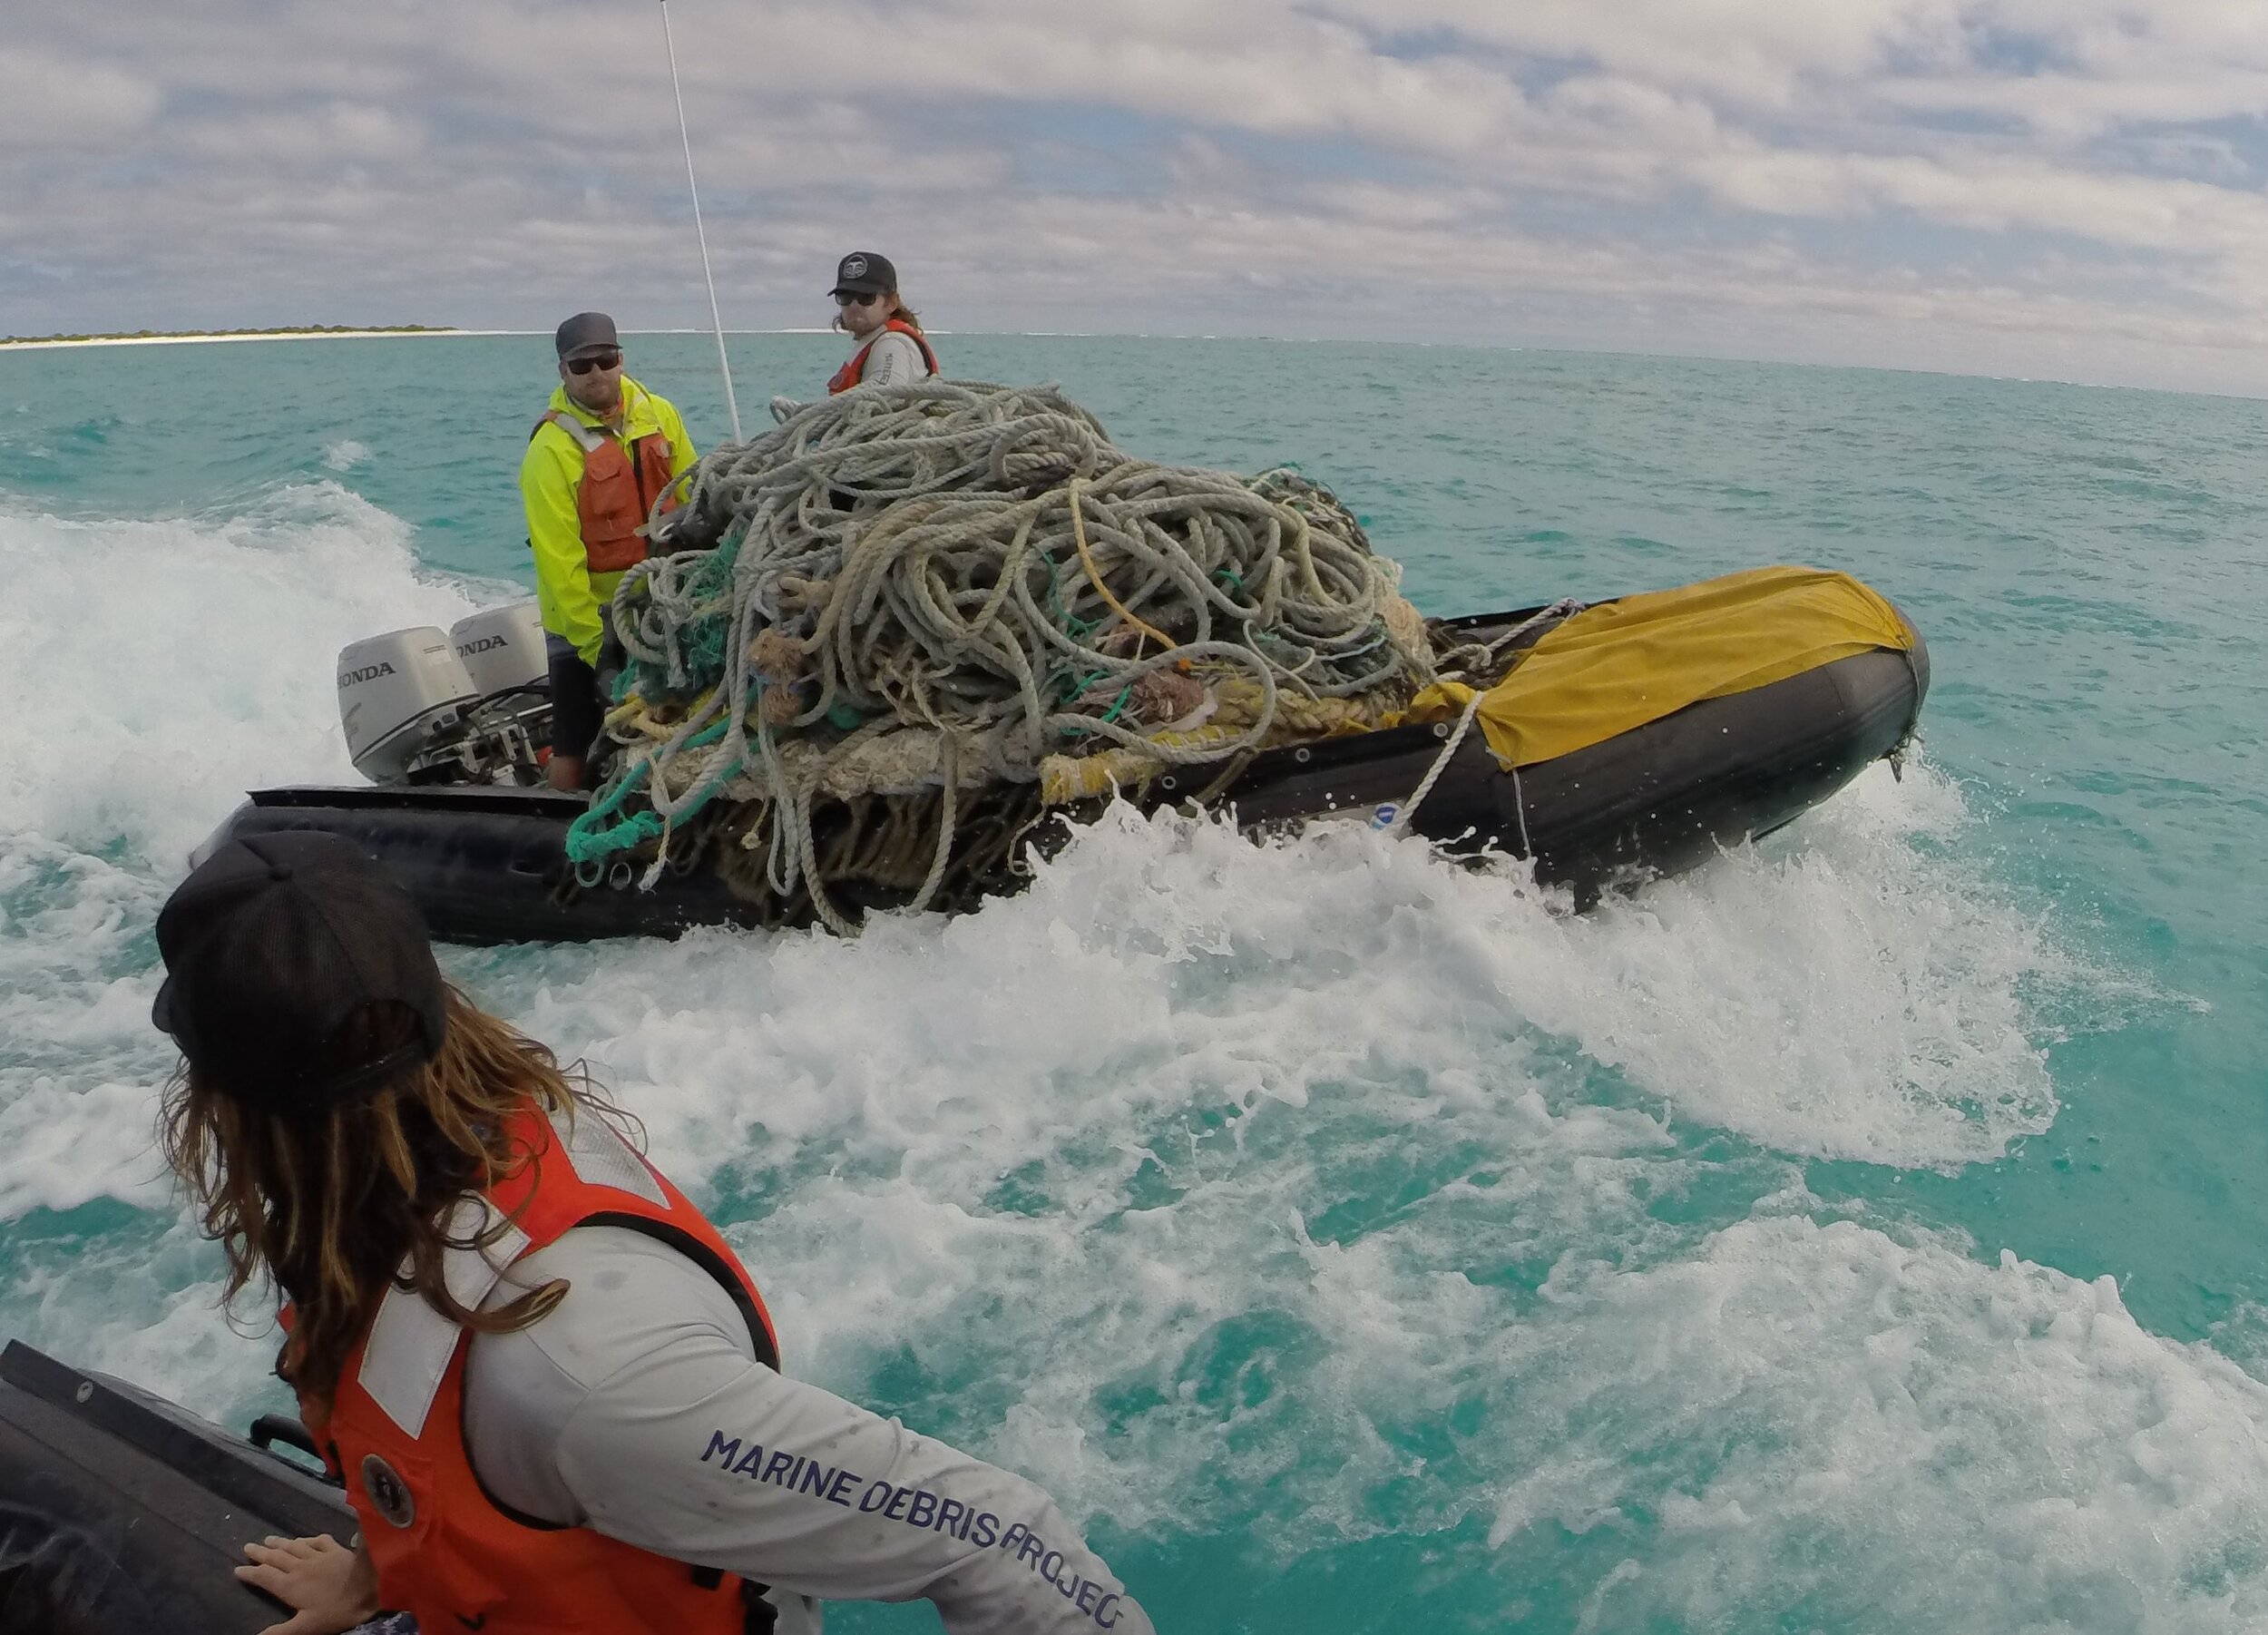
(271, 1428)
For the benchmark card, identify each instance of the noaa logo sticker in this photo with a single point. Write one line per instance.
(853, 267)
(389, 1493)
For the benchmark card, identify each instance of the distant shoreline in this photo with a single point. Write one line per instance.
(40, 343)
(200, 338)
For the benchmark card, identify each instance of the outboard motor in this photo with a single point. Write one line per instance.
(502, 649)
(402, 698)
(470, 705)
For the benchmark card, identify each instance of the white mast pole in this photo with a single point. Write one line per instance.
(732, 404)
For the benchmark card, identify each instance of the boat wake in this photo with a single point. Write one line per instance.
(1316, 1194)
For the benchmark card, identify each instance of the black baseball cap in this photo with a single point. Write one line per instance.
(270, 945)
(862, 272)
(585, 333)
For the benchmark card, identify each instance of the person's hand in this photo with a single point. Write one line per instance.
(331, 1588)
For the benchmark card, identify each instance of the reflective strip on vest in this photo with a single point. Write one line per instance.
(600, 1157)
(587, 438)
(410, 1343)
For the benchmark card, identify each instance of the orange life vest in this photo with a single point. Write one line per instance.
(854, 371)
(443, 1549)
(617, 493)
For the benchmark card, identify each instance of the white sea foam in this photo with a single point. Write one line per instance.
(157, 670)
(1315, 1189)
(1833, 992)
(346, 454)
(1126, 1091)
(1888, 1435)
(160, 667)
(1226, 1187)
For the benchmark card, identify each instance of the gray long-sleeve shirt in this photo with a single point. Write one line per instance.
(637, 1408)
(894, 361)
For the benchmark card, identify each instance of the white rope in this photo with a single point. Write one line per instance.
(732, 404)
(1460, 660)
(1408, 808)
(950, 601)
(975, 574)
(1567, 607)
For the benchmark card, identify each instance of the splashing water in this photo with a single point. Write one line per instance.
(1352, 1239)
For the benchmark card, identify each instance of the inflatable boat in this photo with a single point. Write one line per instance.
(120, 1511)
(1626, 740)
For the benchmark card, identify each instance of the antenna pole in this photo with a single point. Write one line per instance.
(724, 364)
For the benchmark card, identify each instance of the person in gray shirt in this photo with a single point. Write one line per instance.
(888, 345)
(551, 1389)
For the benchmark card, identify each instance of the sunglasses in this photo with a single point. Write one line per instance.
(851, 298)
(603, 360)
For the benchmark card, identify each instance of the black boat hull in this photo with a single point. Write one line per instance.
(488, 864)
(120, 1511)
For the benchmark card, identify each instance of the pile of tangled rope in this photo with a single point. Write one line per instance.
(932, 613)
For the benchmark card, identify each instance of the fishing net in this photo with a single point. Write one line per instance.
(933, 612)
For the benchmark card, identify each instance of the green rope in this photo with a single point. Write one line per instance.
(1110, 714)
(591, 839)
(1069, 622)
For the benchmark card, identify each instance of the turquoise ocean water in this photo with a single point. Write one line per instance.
(1866, 1233)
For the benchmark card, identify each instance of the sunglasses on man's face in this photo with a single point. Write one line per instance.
(603, 360)
(852, 298)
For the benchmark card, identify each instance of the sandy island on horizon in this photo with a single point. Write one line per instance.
(197, 338)
(42, 343)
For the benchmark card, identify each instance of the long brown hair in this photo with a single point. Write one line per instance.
(328, 1206)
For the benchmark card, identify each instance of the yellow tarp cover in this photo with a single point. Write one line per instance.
(1612, 667)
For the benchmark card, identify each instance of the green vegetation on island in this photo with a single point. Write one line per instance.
(13, 340)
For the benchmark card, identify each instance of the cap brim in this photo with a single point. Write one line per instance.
(162, 1010)
(592, 350)
(858, 289)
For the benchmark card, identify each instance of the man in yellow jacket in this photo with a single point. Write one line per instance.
(604, 451)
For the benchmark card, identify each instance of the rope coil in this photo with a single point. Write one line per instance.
(928, 589)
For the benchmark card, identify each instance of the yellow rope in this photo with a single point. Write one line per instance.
(636, 715)
(1085, 557)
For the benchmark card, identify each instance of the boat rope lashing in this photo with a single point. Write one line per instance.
(1408, 809)
(927, 894)
(1476, 661)
(1567, 607)
(1897, 753)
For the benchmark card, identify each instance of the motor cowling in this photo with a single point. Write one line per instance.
(470, 705)
(502, 649)
(402, 698)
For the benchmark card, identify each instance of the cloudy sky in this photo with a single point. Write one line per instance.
(2060, 188)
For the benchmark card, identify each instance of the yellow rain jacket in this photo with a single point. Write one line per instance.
(567, 592)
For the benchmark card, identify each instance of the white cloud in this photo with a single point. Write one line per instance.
(1987, 180)
(55, 100)
(1754, 52)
